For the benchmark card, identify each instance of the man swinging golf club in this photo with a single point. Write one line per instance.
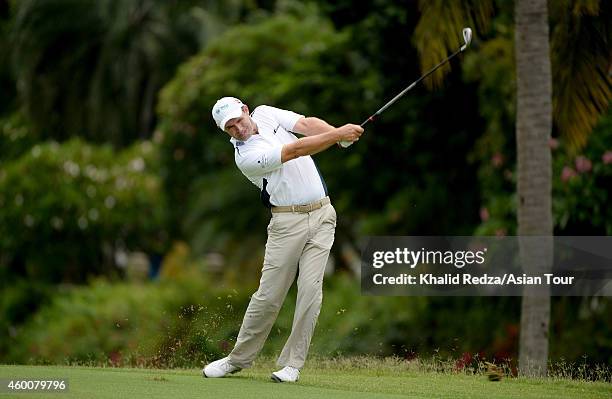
(301, 230)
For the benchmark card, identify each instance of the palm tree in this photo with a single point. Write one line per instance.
(580, 38)
(533, 129)
(580, 47)
(93, 68)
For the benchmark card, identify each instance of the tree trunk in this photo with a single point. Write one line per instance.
(533, 128)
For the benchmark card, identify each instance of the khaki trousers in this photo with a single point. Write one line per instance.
(296, 241)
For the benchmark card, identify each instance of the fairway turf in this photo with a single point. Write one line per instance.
(90, 382)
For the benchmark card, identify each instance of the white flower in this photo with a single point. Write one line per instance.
(91, 172)
(71, 168)
(137, 165)
(97, 175)
(93, 214)
(109, 202)
(83, 223)
(57, 223)
(121, 183)
(36, 151)
(147, 147)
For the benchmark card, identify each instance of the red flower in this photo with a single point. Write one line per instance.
(567, 173)
(484, 214)
(553, 143)
(607, 157)
(497, 159)
(463, 361)
(583, 164)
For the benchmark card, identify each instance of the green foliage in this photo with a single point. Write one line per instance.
(438, 32)
(580, 187)
(411, 162)
(7, 84)
(581, 331)
(580, 42)
(65, 208)
(579, 202)
(409, 327)
(93, 68)
(186, 321)
(581, 184)
(302, 63)
(288, 61)
(160, 325)
(18, 302)
(581, 38)
(15, 137)
(493, 68)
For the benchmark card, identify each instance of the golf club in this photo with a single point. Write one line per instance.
(467, 37)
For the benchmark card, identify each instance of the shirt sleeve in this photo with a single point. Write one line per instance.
(287, 119)
(260, 160)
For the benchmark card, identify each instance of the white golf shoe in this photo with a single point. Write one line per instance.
(286, 374)
(219, 368)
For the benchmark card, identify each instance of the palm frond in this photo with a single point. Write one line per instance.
(580, 47)
(94, 68)
(438, 32)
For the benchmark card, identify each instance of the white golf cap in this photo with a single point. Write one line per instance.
(225, 109)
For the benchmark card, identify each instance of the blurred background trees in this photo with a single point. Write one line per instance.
(94, 68)
(107, 147)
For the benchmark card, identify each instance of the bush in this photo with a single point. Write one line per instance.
(188, 321)
(581, 185)
(65, 208)
(18, 302)
(580, 188)
(15, 137)
(164, 324)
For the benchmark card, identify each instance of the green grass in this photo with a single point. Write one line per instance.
(348, 378)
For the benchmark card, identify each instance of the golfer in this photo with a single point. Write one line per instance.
(301, 230)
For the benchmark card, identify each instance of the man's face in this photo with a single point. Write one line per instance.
(241, 128)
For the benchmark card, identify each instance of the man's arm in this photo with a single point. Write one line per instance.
(311, 126)
(313, 144)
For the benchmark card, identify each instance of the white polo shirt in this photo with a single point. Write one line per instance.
(294, 182)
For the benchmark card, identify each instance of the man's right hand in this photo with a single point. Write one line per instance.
(349, 133)
(313, 144)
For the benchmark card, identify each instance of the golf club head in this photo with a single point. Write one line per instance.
(467, 37)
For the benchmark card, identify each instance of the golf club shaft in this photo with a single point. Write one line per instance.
(407, 89)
